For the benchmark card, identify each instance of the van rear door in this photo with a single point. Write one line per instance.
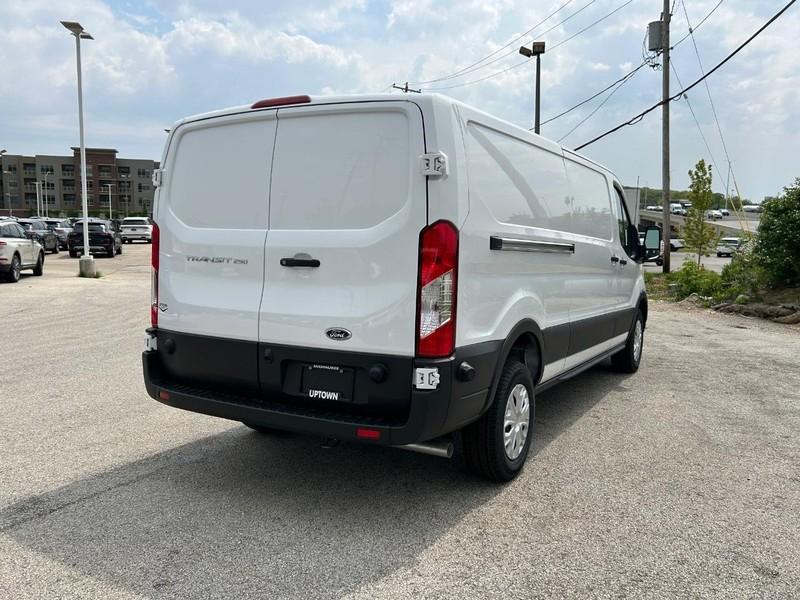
(348, 202)
(213, 215)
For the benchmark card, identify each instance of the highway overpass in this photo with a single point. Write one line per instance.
(727, 226)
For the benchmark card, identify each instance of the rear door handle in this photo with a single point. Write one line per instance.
(299, 262)
(615, 259)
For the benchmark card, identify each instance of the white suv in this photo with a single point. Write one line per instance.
(386, 270)
(18, 252)
(136, 228)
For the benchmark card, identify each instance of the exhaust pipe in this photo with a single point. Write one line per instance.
(441, 448)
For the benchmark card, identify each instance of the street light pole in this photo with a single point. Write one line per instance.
(108, 185)
(38, 185)
(44, 195)
(536, 49)
(86, 264)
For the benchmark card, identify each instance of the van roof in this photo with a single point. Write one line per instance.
(385, 97)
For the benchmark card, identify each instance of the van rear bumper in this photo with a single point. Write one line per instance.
(430, 413)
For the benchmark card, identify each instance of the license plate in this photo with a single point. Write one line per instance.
(327, 382)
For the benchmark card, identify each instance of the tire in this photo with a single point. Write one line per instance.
(659, 262)
(38, 270)
(73, 254)
(719, 254)
(56, 249)
(627, 360)
(112, 253)
(16, 266)
(119, 250)
(484, 441)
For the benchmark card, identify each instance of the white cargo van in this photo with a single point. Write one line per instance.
(385, 269)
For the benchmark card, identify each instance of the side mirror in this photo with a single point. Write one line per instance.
(652, 242)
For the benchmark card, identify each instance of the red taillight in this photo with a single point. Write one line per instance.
(436, 290)
(268, 102)
(154, 274)
(2, 243)
(368, 434)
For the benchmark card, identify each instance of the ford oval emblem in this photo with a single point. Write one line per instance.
(338, 333)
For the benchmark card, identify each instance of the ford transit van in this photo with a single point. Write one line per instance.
(385, 269)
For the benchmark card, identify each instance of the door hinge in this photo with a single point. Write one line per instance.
(158, 175)
(433, 164)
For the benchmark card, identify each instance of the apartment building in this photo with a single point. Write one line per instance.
(124, 182)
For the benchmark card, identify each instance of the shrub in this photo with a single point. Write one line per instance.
(777, 247)
(743, 276)
(691, 279)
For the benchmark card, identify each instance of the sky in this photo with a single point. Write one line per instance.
(154, 62)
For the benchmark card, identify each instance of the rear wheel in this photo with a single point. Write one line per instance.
(73, 254)
(38, 270)
(497, 444)
(112, 252)
(627, 360)
(16, 266)
(55, 247)
(119, 250)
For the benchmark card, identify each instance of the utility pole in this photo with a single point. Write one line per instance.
(665, 183)
(38, 185)
(402, 88)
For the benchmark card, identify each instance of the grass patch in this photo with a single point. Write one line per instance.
(657, 285)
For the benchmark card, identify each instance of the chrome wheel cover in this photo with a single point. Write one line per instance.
(516, 421)
(638, 340)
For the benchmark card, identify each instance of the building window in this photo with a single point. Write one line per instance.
(69, 199)
(68, 170)
(13, 183)
(12, 168)
(143, 187)
(124, 172)
(143, 173)
(29, 169)
(46, 169)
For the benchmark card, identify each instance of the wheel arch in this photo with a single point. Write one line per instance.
(525, 341)
(642, 306)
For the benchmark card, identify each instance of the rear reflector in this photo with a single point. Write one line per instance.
(436, 302)
(163, 395)
(368, 434)
(268, 102)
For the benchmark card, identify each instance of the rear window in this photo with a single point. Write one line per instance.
(340, 170)
(92, 227)
(220, 174)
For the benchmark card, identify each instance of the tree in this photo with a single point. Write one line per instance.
(777, 246)
(698, 235)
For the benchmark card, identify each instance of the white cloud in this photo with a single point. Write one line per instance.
(155, 62)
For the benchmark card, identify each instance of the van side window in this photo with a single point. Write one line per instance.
(518, 182)
(624, 221)
(591, 204)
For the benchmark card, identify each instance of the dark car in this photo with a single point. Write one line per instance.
(104, 239)
(62, 228)
(36, 229)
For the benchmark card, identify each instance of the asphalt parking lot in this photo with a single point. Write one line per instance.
(681, 481)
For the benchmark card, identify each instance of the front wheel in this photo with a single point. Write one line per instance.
(627, 360)
(497, 444)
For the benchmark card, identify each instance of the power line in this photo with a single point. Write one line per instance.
(635, 119)
(516, 39)
(696, 121)
(474, 68)
(599, 106)
(645, 60)
(593, 96)
(514, 66)
(696, 27)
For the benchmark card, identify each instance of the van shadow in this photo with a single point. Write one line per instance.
(240, 514)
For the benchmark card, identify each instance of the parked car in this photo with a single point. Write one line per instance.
(654, 207)
(713, 214)
(137, 228)
(103, 239)
(62, 229)
(728, 246)
(425, 280)
(725, 212)
(36, 229)
(676, 244)
(18, 251)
